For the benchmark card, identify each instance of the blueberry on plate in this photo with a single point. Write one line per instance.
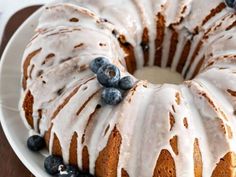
(68, 171)
(126, 83)
(108, 75)
(111, 96)
(52, 164)
(98, 63)
(35, 143)
(231, 3)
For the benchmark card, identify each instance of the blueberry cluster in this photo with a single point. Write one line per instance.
(108, 75)
(54, 164)
(231, 3)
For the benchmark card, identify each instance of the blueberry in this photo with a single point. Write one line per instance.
(230, 3)
(68, 171)
(52, 163)
(35, 143)
(98, 63)
(108, 75)
(126, 83)
(111, 96)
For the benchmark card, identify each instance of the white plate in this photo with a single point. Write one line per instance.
(10, 88)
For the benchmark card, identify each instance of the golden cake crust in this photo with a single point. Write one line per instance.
(165, 165)
(226, 166)
(107, 161)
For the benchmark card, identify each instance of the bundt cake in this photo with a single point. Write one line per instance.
(158, 130)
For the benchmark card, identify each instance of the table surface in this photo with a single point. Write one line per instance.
(10, 165)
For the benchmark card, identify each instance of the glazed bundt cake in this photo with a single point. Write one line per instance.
(158, 130)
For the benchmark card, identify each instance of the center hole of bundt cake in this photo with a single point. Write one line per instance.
(158, 75)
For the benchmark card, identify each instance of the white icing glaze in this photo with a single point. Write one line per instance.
(144, 125)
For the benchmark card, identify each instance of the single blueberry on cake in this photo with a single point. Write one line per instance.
(108, 75)
(111, 96)
(97, 63)
(126, 83)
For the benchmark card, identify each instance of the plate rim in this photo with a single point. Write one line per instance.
(6, 131)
